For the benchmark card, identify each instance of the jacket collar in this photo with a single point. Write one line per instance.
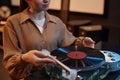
(25, 16)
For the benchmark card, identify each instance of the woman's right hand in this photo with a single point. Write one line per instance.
(37, 58)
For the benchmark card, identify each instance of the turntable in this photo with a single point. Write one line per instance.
(80, 59)
(85, 63)
(89, 63)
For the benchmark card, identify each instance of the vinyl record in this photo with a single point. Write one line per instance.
(80, 58)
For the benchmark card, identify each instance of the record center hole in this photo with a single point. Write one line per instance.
(77, 55)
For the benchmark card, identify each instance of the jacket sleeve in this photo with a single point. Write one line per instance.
(12, 61)
(67, 37)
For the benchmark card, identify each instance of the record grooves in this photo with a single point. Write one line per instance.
(83, 59)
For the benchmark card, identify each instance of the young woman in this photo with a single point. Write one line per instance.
(27, 33)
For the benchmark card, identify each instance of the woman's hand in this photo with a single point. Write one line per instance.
(88, 42)
(37, 58)
(85, 41)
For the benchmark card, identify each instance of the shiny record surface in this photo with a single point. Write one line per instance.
(80, 58)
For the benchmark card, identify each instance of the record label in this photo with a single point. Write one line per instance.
(76, 55)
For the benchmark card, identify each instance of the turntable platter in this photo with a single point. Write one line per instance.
(83, 59)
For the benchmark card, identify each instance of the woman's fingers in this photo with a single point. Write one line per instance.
(88, 42)
(43, 61)
(47, 60)
(40, 54)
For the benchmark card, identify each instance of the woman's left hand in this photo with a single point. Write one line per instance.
(88, 42)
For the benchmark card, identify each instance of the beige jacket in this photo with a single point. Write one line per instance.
(21, 35)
